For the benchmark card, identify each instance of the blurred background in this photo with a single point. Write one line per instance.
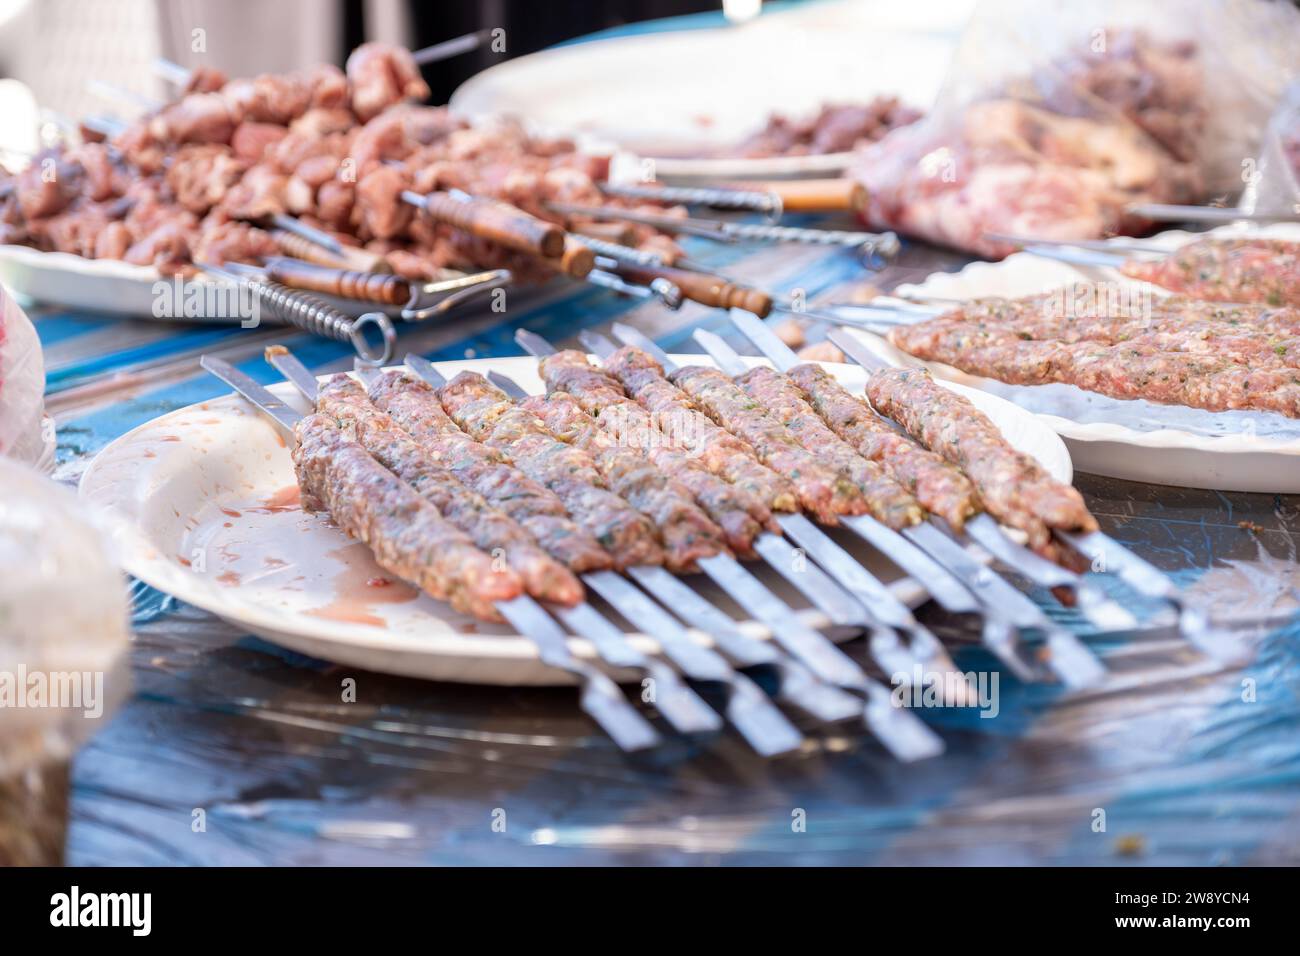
(55, 47)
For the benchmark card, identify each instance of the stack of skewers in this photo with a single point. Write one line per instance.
(345, 171)
(633, 476)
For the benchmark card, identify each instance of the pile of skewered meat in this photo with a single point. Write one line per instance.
(1058, 155)
(1176, 350)
(556, 483)
(198, 179)
(834, 129)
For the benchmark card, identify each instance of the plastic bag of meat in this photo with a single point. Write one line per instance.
(26, 433)
(1055, 116)
(63, 665)
(1273, 185)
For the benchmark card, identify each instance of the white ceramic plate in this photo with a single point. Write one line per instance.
(110, 286)
(687, 91)
(1139, 441)
(206, 509)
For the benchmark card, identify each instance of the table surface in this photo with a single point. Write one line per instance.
(1190, 762)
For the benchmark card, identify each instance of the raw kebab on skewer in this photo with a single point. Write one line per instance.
(845, 439)
(1257, 270)
(1184, 352)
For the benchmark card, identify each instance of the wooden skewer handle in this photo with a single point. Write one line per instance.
(814, 195)
(498, 223)
(363, 260)
(353, 258)
(616, 232)
(577, 260)
(703, 288)
(387, 288)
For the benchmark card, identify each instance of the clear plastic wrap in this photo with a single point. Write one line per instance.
(1055, 116)
(1273, 186)
(25, 432)
(63, 637)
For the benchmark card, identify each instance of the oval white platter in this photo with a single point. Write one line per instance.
(684, 92)
(1138, 441)
(205, 508)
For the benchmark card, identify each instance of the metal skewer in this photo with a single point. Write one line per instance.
(768, 203)
(887, 612)
(660, 289)
(907, 738)
(1096, 606)
(805, 692)
(747, 708)
(999, 629)
(312, 315)
(450, 48)
(319, 236)
(926, 563)
(422, 300)
(1138, 573)
(1161, 212)
(867, 243)
(1096, 245)
(600, 698)
(680, 706)
(616, 252)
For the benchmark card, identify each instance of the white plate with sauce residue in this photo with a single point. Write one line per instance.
(206, 508)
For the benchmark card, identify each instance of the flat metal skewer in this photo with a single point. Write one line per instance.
(887, 612)
(885, 244)
(1096, 245)
(1109, 554)
(1162, 212)
(816, 699)
(450, 48)
(748, 200)
(825, 660)
(1096, 606)
(748, 709)
(678, 704)
(1073, 667)
(600, 698)
(761, 724)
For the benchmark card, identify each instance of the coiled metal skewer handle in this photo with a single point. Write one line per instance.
(884, 243)
(385, 288)
(313, 315)
(741, 199)
(351, 257)
(619, 252)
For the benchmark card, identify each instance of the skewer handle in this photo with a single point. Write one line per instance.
(494, 221)
(380, 287)
(576, 261)
(813, 195)
(703, 288)
(616, 232)
(358, 260)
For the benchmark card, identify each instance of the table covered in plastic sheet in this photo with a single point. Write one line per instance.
(234, 751)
